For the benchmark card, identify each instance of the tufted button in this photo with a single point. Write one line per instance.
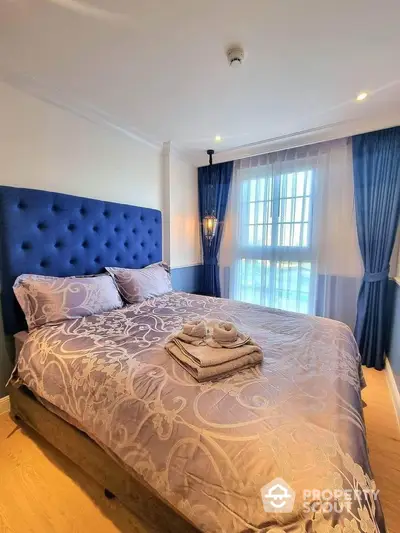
(26, 246)
(85, 244)
(82, 211)
(72, 261)
(141, 218)
(142, 244)
(56, 209)
(134, 230)
(57, 244)
(22, 205)
(95, 229)
(71, 227)
(42, 226)
(106, 213)
(126, 216)
(97, 260)
(134, 256)
(156, 220)
(150, 231)
(117, 258)
(107, 244)
(156, 244)
(126, 244)
(44, 263)
(149, 257)
(117, 229)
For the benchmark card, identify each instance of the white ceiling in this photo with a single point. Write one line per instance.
(157, 68)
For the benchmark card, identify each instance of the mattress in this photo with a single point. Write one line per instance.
(217, 451)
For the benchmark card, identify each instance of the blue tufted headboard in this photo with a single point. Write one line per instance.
(61, 235)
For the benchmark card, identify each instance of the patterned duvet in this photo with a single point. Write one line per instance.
(209, 449)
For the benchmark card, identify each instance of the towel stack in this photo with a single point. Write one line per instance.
(214, 349)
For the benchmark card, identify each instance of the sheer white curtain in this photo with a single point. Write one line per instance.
(290, 236)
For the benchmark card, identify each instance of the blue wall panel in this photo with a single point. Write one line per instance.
(187, 279)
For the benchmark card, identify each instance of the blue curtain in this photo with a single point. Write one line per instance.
(376, 166)
(214, 184)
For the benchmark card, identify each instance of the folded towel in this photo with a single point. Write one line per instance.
(204, 355)
(212, 349)
(251, 357)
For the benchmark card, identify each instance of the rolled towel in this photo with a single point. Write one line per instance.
(224, 332)
(195, 328)
(241, 340)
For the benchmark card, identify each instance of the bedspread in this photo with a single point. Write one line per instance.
(228, 453)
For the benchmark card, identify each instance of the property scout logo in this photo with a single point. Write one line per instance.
(278, 497)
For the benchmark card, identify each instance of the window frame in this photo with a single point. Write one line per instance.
(276, 253)
(265, 249)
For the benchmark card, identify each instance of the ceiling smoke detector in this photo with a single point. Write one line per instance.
(235, 56)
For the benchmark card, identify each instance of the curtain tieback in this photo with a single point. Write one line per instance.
(211, 261)
(371, 277)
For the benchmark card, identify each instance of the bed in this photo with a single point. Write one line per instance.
(184, 456)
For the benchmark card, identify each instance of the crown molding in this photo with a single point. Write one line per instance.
(54, 96)
(166, 148)
(181, 154)
(169, 149)
(325, 133)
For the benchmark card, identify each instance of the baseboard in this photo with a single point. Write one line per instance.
(4, 405)
(394, 391)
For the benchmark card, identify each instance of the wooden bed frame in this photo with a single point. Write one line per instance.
(153, 514)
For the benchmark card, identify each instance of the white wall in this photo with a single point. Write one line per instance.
(45, 147)
(181, 223)
(184, 214)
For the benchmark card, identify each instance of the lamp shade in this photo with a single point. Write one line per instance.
(210, 226)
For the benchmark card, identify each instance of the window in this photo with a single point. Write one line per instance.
(275, 240)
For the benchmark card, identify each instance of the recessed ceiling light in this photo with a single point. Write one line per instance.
(218, 138)
(362, 96)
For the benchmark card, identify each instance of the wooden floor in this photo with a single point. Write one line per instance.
(42, 492)
(384, 445)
